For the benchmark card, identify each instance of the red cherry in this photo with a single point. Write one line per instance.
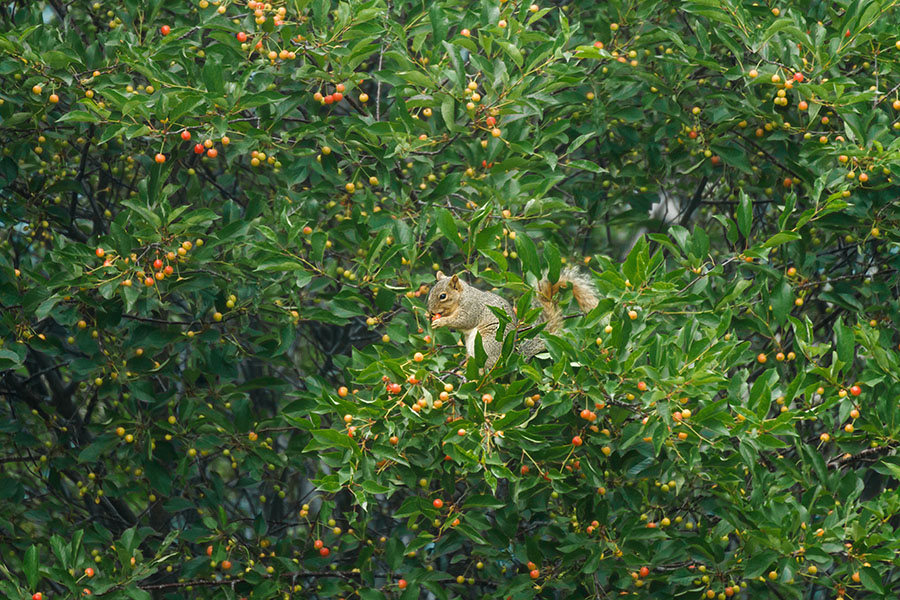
(99, 252)
(798, 76)
(847, 34)
(185, 135)
(855, 390)
(324, 551)
(338, 96)
(165, 29)
(168, 270)
(524, 470)
(534, 574)
(157, 264)
(644, 571)
(212, 153)
(37, 596)
(89, 572)
(329, 99)
(198, 148)
(209, 550)
(490, 121)
(340, 87)
(598, 44)
(576, 441)
(438, 503)
(401, 583)
(160, 157)
(241, 36)
(318, 544)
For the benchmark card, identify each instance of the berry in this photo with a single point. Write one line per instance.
(438, 503)
(160, 157)
(241, 36)
(165, 29)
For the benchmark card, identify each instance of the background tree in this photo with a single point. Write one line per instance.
(218, 221)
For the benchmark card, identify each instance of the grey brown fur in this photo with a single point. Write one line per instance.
(465, 308)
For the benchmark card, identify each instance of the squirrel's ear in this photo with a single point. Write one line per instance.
(455, 282)
(440, 275)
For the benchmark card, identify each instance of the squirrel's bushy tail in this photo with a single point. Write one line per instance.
(583, 290)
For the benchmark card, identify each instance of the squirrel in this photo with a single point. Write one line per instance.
(454, 303)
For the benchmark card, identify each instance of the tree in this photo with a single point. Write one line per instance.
(218, 223)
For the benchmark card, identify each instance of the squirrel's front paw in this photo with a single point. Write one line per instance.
(438, 321)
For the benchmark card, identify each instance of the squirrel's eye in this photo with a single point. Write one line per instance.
(443, 297)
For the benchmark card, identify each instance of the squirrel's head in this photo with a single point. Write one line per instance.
(445, 295)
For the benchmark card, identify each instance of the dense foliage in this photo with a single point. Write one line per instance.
(219, 220)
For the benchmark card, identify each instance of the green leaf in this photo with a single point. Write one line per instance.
(439, 23)
(780, 238)
(448, 112)
(586, 165)
(30, 566)
(447, 225)
(511, 51)
(78, 116)
(782, 300)
(213, 77)
(758, 564)
(553, 260)
(417, 78)
(528, 254)
(136, 593)
(871, 579)
(845, 343)
(744, 214)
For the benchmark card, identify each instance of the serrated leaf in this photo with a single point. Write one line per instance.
(447, 225)
(30, 566)
(528, 254)
(744, 214)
